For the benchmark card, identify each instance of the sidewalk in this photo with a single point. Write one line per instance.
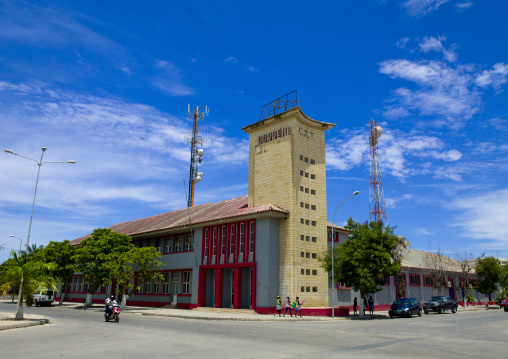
(7, 321)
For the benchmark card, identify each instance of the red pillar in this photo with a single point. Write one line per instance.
(202, 288)
(218, 288)
(238, 286)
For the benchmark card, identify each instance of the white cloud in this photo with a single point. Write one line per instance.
(402, 43)
(496, 77)
(401, 154)
(423, 231)
(431, 43)
(170, 81)
(483, 218)
(445, 92)
(423, 7)
(393, 202)
(231, 59)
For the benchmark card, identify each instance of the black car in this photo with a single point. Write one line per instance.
(405, 307)
(440, 304)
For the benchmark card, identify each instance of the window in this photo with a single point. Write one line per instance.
(156, 286)
(301, 173)
(307, 255)
(307, 271)
(307, 289)
(302, 254)
(232, 240)
(186, 282)
(301, 188)
(313, 191)
(301, 237)
(168, 245)
(302, 221)
(301, 204)
(148, 287)
(307, 174)
(306, 206)
(314, 255)
(314, 239)
(314, 223)
(312, 162)
(414, 279)
(427, 281)
(178, 244)
(302, 272)
(314, 289)
(242, 238)
(165, 283)
(206, 242)
(157, 245)
(302, 289)
(307, 222)
(306, 159)
(314, 272)
(313, 207)
(306, 190)
(312, 176)
(223, 240)
(307, 238)
(188, 242)
(301, 158)
(214, 241)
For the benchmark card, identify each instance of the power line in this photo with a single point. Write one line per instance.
(224, 46)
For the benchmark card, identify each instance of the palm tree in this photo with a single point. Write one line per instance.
(28, 277)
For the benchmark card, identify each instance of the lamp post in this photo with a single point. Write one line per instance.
(20, 240)
(333, 254)
(19, 314)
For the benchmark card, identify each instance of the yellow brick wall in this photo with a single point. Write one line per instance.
(275, 177)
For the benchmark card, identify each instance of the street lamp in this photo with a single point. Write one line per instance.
(20, 240)
(39, 163)
(333, 254)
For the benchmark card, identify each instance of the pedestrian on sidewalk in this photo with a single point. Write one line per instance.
(298, 307)
(355, 306)
(371, 306)
(279, 308)
(364, 305)
(288, 307)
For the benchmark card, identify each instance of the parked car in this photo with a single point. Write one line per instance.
(405, 307)
(44, 297)
(505, 305)
(440, 304)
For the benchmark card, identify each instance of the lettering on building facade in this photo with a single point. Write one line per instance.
(273, 135)
(306, 133)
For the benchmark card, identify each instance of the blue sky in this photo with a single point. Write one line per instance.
(107, 84)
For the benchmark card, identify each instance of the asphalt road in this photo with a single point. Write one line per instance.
(76, 333)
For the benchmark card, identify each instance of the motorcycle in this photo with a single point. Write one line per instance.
(114, 315)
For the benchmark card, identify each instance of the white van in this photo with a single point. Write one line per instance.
(44, 297)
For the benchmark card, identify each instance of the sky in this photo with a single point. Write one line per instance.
(108, 83)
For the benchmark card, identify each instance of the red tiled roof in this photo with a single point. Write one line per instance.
(202, 213)
(329, 225)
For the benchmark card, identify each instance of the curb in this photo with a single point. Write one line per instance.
(25, 323)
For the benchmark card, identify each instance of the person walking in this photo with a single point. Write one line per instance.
(364, 305)
(279, 308)
(355, 306)
(298, 307)
(288, 307)
(371, 306)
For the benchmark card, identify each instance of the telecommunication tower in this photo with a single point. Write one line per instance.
(196, 154)
(377, 210)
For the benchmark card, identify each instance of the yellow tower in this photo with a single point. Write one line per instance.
(287, 168)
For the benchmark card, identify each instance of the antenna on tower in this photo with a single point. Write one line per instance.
(196, 153)
(377, 210)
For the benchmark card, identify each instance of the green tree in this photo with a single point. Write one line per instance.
(503, 277)
(30, 276)
(98, 258)
(365, 260)
(62, 255)
(487, 270)
(137, 266)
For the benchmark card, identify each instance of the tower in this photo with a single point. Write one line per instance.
(196, 154)
(287, 168)
(377, 210)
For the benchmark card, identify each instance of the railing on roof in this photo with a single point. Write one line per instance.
(280, 105)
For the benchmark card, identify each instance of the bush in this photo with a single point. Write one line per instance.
(500, 296)
(470, 298)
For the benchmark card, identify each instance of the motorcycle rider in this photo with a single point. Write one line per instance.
(110, 302)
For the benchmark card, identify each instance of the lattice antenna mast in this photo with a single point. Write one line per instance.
(377, 210)
(194, 141)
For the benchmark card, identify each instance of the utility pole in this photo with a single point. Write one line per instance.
(196, 154)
